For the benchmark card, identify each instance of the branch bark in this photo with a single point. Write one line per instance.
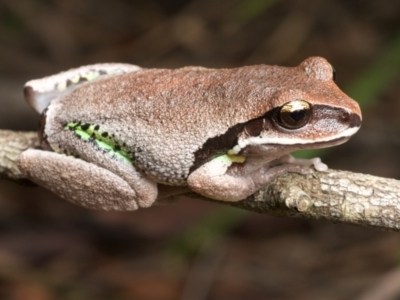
(12, 144)
(336, 196)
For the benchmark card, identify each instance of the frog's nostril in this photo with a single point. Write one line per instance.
(345, 117)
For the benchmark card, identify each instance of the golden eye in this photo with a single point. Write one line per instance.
(294, 114)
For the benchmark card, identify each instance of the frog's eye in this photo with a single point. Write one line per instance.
(294, 114)
(333, 73)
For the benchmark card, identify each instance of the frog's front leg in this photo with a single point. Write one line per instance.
(87, 184)
(216, 180)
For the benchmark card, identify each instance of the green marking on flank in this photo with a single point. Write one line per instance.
(104, 146)
(230, 158)
(82, 134)
(102, 139)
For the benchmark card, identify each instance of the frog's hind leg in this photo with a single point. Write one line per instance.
(83, 183)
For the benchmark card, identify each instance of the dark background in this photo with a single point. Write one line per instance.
(50, 249)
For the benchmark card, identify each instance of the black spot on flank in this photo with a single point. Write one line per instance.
(117, 147)
(104, 134)
(97, 127)
(85, 126)
(124, 145)
(78, 135)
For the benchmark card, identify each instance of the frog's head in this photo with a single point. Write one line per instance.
(307, 110)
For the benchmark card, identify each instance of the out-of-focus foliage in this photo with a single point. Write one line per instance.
(377, 76)
(50, 249)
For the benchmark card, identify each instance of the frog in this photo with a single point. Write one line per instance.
(120, 137)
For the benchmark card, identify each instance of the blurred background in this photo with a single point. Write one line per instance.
(50, 249)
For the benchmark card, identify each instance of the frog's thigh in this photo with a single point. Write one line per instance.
(80, 182)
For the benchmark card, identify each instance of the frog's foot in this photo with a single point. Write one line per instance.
(84, 183)
(214, 179)
(233, 188)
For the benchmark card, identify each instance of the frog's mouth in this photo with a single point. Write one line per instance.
(282, 149)
(324, 144)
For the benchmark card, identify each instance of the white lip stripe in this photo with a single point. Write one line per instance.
(290, 141)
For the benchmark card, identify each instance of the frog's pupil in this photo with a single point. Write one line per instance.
(297, 115)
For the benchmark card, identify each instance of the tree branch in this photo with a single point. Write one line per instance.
(12, 144)
(336, 196)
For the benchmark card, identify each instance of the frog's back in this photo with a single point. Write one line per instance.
(189, 95)
(162, 116)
